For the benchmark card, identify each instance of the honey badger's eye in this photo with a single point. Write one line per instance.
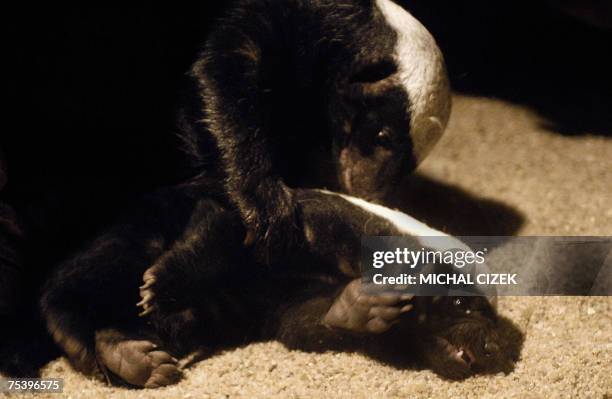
(462, 305)
(383, 138)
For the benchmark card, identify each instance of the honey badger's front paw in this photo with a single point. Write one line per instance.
(148, 292)
(136, 361)
(357, 312)
(160, 303)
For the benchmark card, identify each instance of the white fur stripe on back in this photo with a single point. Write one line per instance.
(405, 224)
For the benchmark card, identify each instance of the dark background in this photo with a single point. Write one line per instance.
(534, 53)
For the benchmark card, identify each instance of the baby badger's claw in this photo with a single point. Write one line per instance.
(147, 293)
(357, 312)
(146, 303)
(148, 284)
(147, 310)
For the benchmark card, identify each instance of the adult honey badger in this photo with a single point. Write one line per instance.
(291, 90)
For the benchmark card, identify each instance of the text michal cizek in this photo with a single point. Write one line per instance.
(446, 279)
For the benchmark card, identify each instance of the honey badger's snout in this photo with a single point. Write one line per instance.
(461, 336)
(490, 348)
(464, 349)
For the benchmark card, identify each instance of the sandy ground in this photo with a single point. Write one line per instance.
(499, 170)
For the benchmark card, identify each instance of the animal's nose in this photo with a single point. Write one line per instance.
(490, 348)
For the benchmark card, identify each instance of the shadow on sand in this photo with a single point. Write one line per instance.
(529, 53)
(452, 210)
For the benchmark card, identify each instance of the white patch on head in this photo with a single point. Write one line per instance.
(405, 224)
(422, 72)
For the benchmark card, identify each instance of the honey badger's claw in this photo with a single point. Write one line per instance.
(148, 310)
(406, 308)
(149, 275)
(355, 311)
(147, 294)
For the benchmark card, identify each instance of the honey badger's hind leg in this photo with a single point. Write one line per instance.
(97, 288)
(90, 291)
(119, 356)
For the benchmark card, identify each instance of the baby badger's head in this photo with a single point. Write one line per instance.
(390, 102)
(456, 336)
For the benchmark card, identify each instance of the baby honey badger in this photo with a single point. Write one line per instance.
(201, 293)
(318, 303)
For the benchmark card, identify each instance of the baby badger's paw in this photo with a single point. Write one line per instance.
(137, 362)
(361, 313)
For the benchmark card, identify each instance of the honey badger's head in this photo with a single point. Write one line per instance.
(391, 101)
